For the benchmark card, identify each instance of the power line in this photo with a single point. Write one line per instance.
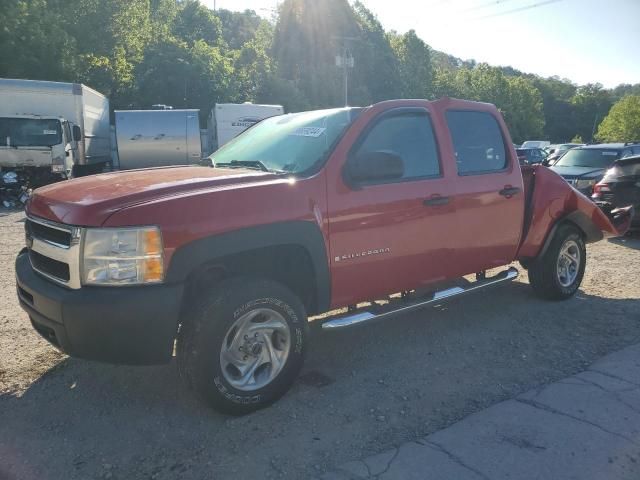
(484, 5)
(516, 10)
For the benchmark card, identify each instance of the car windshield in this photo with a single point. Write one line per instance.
(292, 143)
(28, 132)
(588, 157)
(624, 170)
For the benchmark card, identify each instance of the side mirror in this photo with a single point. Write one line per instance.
(77, 133)
(374, 167)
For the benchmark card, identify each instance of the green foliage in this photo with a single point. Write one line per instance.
(305, 44)
(375, 76)
(577, 139)
(591, 103)
(195, 22)
(414, 62)
(622, 124)
(179, 52)
(239, 28)
(516, 97)
(34, 42)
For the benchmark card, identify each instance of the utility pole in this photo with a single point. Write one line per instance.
(595, 122)
(345, 60)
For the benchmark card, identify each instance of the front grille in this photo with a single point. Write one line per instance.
(56, 236)
(54, 250)
(49, 266)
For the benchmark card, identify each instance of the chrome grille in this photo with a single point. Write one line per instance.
(54, 250)
(48, 233)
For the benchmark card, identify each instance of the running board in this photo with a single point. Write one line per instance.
(351, 319)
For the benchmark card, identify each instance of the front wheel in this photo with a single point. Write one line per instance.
(243, 347)
(557, 274)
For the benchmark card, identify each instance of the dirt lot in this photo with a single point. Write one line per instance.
(362, 391)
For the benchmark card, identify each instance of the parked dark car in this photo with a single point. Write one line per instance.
(583, 167)
(530, 156)
(620, 187)
(555, 152)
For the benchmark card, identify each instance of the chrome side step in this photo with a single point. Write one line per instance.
(351, 319)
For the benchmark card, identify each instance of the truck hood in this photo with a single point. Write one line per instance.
(578, 172)
(89, 201)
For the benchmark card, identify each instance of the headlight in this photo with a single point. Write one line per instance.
(125, 256)
(581, 184)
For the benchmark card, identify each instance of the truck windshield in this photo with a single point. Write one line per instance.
(588, 157)
(30, 132)
(292, 143)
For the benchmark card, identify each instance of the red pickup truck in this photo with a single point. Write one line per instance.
(302, 214)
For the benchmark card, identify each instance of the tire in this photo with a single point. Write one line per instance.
(547, 273)
(233, 371)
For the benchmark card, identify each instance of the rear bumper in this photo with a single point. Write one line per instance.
(127, 325)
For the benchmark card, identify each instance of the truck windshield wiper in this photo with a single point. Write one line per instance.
(253, 164)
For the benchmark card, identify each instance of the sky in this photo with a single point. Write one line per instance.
(586, 41)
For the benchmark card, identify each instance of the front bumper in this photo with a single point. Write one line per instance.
(127, 325)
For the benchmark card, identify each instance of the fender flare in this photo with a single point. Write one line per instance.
(187, 258)
(579, 219)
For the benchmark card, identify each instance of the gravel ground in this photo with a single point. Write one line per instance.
(362, 391)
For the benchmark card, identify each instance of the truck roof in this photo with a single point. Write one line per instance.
(43, 85)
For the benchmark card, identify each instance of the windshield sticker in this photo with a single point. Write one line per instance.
(314, 132)
(49, 132)
(610, 153)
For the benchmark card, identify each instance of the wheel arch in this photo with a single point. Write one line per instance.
(261, 251)
(579, 220)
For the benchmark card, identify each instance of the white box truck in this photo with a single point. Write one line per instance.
(228, 120)
(60, 128)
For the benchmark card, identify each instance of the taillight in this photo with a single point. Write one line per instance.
(599, 189)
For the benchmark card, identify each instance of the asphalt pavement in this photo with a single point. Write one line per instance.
(585, 427)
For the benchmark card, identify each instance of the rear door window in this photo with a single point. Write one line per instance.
(477, 142)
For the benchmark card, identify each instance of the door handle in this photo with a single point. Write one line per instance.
(509, 191)
(435, 201)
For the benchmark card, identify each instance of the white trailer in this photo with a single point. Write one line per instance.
(228, 120)
(60, 126)
(154, 138)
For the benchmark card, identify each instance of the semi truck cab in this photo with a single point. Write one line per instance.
(34, 141)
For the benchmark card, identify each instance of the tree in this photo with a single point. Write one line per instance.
(622, 124)
(559, 112)
(375, 76)
(239, 28)
(111, 37)
(591, 104)
(523, 112)
(516, 97)
(35, 43)
(414, 61)
(195, 22)
(181, 75)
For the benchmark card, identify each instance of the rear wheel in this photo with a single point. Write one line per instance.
(243, 347)
(557, 274)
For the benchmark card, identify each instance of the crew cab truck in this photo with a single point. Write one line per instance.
(301, 214)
